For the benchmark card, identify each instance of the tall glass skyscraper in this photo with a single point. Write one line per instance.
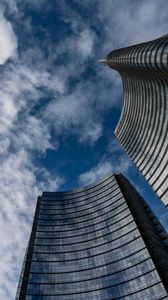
(101, 242)
(143, 126)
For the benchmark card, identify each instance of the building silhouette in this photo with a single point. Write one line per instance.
(98, 242)
(143, 126)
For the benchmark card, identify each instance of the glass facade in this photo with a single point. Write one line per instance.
(143, 126)
(86, 244)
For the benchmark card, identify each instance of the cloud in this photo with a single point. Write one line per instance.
(72, 114)
(10, 6)
(97, 172)
(21, 181)
(78, 45)
(104, 166)
(113, 160)
(8, 40)
(35, 136)
(18, 95)
(19, 189)
(131, 22)
(22, 89)
(85, 43)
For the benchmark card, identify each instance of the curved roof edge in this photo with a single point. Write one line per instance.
(80, 189)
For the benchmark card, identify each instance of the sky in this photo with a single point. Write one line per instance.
(59, 106)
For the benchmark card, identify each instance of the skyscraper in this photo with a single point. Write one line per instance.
(98, 242)
(143, 126)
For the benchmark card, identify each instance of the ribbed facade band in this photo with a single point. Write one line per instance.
(93, 243)
(143, 126)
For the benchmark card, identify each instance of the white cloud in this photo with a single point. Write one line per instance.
(130, 22)
(9, 5)
(22, 88)
(8, 112)
(73, 114)
(85, 43)
(104, 166)
(42, 78)
(8, 40)
(102, 169)
(77, 47)
(97, 172)
(114, 160)
(19, 189)
(34, 136)
(20, 181)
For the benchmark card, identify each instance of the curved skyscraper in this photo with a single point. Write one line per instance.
(143, 126)
(101, 242)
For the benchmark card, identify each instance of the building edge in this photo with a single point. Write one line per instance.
(24, 276)
(152, 231)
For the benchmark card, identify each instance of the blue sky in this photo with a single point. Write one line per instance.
(59, 107)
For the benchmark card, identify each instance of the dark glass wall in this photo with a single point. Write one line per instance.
(85, 244)
(143, 126)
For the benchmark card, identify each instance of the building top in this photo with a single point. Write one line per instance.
(142, 129)
(80, 189)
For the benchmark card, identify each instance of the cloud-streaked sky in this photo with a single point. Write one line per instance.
(59, 107)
